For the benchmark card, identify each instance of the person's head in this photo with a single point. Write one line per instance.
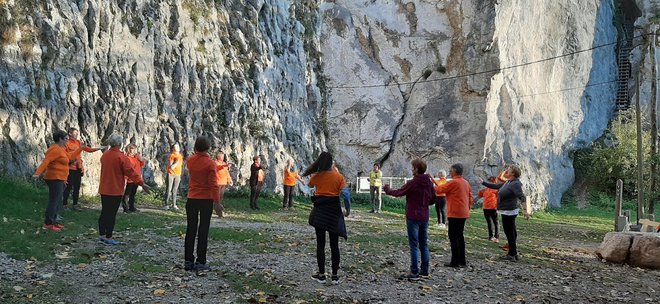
(456, 170)
(74, 133)
(322, 163)
(60, 137)
(175, 148)
(114, 140)
(418, 167)
(289, 163)
(513, 172)
(492, 179)
(220, 156)
(131, 149)
(256, 159)
(442, 174)
(202, 144)
(376, 167)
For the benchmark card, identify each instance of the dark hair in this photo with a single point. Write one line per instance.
(129, 147)
(172, 146)
(377, 165)
(515, 170)
(72, 129)
(322, 163)
(458, 168)
(59, 135)
(255, 157)
(419, 165)
(202, 144)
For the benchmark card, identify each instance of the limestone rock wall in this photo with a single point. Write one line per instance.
(244, 73)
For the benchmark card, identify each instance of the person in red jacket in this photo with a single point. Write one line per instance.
(419, 194)
(115, 166)
(203, 193)
(128, 200)
(490, 210)
(459, 202)
(76, 168)
(56, 164)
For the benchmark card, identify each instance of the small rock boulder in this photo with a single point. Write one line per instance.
(645, 251)
(614, 247)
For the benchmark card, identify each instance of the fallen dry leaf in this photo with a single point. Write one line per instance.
(159, 292)
(18, 288)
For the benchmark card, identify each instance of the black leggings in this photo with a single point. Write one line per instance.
(457, 240)
(441, 209)
(491, 220)
(73, 183)
(254, 194)
(128, 200)
(288, 196)
(320, 250)
(198, 214)
(509, 225)
(109, 207)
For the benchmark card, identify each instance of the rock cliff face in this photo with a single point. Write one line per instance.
(244, 73)
(382, 81)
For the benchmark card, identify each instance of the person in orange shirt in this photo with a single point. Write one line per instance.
(56, 165)
(256, 180)
(441, 200)
(115, 166)
(174, 166)
(327, 215)
(490, 210)
(289, 184)
(203, 193)
(76, 169)
(224, 180)
(459, 202)
(128, 200)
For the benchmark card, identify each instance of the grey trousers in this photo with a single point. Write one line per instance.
(172, 189)
(375, 191)
(55, 192)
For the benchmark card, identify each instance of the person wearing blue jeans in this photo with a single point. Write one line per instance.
(419, 194)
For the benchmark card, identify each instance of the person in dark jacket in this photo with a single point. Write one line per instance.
(419, 193)
(256, 180)
(509, 195)
(326, 215)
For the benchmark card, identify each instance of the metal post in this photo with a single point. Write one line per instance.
(618, 206)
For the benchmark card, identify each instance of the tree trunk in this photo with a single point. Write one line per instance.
(654, 131)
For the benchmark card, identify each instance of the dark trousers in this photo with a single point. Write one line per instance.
(254, 194)
(455, 228)
(441, 209)
(491, 220)
(73, 183)
(198, 214)
(288, 197)
(109, 207)
(320, 250)
(509, 225)
(55, 189)
(128, 200)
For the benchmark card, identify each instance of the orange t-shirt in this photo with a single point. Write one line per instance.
(175, 158)
(56, 163)
(115, 165)
(224, 178)
(459, 197)
(260, 176)
(439, 182)
(289, 178)
(71, 146)
(327, 183)
(137, 165)
(490, 198)
(203, 183)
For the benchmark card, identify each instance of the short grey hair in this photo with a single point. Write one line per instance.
(114, 140)
(442, 172)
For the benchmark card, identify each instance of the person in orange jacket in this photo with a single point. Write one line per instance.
(115, 166)
(224, 180)
(490, 210)
(174, 166)
(459, 202)
(289, 184)
(76, 168)
(56, 165)
(128, 200)
(203, 193)
(441, 200)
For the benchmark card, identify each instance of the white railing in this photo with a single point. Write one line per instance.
(362, 184)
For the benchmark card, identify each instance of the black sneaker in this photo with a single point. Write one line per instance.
(202, 267)
(335, 279)
(409, 276)
(188, 266)
(319, 277)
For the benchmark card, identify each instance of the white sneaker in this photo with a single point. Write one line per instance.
(175, 207)
(166, 208)
(442, 226)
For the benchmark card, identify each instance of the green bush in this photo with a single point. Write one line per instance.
(364, 199)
